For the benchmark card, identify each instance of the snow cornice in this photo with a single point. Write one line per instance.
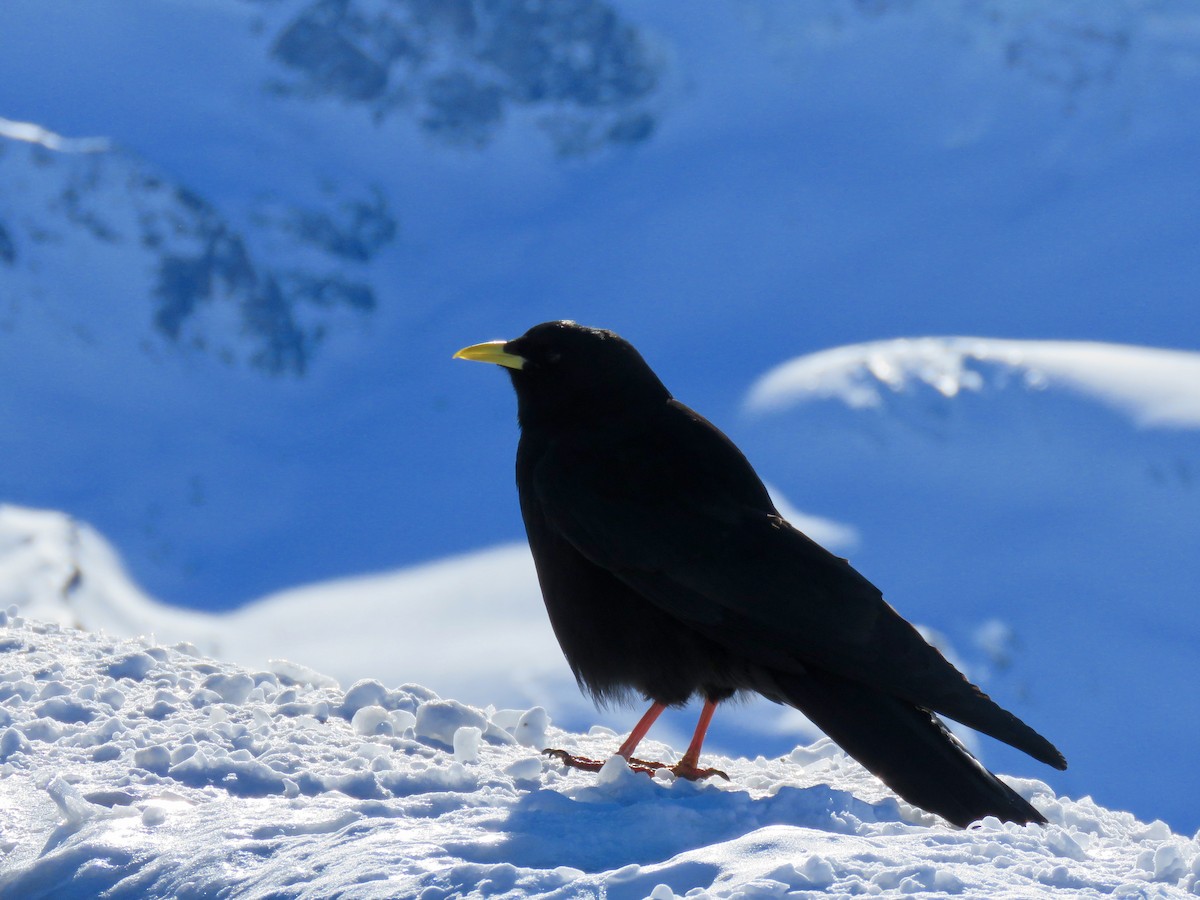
(1154, 387)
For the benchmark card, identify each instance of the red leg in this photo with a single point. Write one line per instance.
(640, 729)
(688, 767)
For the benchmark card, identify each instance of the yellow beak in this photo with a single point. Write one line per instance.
(491, 352)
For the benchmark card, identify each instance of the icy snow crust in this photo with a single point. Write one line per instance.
(132, 770)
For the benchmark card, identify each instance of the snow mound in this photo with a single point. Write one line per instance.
(1153, 387)
(58, 569)
(447, 622)
(131, 769)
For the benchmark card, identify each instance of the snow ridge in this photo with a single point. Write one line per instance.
(1153, 387)
(32, 133)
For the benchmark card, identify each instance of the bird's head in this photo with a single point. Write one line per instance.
(563, 371)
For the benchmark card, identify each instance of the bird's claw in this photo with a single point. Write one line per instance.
(574, 762)
(694, 773)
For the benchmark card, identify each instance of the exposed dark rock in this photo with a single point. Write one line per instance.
(185, 282)
(458, 64)
(572, 50)
(268, 304)
(331, 292)
(320, 44)
(460, 109)
(355, 231)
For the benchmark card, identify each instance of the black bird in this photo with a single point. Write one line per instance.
(667, 571)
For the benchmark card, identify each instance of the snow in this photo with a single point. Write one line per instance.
(33, 133)
(1155, 388)
(189, 777)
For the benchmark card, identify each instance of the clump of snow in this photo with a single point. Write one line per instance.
(134, 666)
(369, 719)
(440, 720)
(531, 728)
(367, 692)
(242, 793)
(466, 743)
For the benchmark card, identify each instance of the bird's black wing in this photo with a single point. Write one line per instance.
(676, 512)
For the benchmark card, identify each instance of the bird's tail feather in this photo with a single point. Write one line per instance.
(907, 748)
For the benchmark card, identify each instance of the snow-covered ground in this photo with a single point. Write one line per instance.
(133, 769)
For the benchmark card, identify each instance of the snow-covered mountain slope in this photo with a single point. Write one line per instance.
(72, 206)
(248, 293)
(267, 183)
(1038, 503)
(59, 570)
(259, 270)
(129, 769)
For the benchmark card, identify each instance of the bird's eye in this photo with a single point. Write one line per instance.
(552, 358)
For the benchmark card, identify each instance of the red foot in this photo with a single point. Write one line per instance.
(694, 773)
(575, 762)
(680, 770)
